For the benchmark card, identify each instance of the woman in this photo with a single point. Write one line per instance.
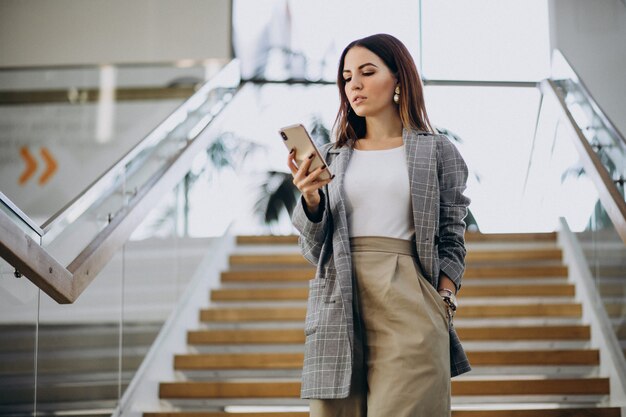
(386, 235)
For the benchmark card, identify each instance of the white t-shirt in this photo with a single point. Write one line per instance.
(378, 194)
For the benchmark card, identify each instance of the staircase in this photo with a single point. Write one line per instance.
(518, 321)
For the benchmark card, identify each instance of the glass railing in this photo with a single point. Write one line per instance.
(79, 358)
(562, 182)
(601, 146)
(605, 253)
(601, 134)
(64, 126)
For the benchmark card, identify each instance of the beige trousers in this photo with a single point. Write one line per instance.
(404, 336)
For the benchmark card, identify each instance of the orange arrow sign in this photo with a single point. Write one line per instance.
(51, 166)
(31, 165)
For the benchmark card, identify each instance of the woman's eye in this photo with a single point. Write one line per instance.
(368, 73)
(347, 80)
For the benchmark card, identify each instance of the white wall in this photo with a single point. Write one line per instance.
(65, 32)
(592, 36)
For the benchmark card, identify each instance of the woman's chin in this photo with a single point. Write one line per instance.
(360, 113)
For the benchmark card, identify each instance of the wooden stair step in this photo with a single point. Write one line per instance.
(296, 336)
(284, 360)
(526, 412)
(547, 412)
(568, 332)
(305, 274)
(282, 293)
(510, 237)
(224, 414)
(551, 254)
(468, 311)
(469, 237)
(487, 387)
(267, 240)
(582, 357)
(246, 336)
(516, 272)
(252, 314)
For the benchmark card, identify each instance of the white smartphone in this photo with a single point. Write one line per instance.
(296, 136)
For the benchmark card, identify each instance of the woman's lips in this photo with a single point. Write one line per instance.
(358, 100)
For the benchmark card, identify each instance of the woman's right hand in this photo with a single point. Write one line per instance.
(307, 183)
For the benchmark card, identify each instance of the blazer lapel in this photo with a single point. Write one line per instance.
(336, 196)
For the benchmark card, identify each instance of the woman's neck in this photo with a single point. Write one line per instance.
(383, 128)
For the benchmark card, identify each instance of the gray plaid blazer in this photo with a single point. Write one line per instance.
(437, 174)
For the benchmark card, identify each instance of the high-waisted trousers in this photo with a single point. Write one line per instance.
(402, 355)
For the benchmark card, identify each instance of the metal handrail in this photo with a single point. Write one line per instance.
(65, 284)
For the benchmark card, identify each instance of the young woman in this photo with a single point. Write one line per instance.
(387, 237)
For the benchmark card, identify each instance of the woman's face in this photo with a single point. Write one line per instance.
(369, 84)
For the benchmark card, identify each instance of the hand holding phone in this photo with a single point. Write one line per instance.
(307, 165)
(296, 137)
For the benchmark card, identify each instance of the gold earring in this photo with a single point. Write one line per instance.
(396, 96)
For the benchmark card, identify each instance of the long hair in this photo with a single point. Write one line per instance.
(348, 125)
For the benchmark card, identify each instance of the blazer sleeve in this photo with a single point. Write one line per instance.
(452, 174)
(312, 229)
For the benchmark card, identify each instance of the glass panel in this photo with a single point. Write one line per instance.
(161, 146)
(151, 283)
(605, 139)
(606, 256)
(79, 347)
(18, 331)
(485, 40)
(160, 260)
(556, 184)
(74, 123)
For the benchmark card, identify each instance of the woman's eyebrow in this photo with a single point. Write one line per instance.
(361, 66)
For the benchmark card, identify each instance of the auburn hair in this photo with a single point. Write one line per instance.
(348, 126)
